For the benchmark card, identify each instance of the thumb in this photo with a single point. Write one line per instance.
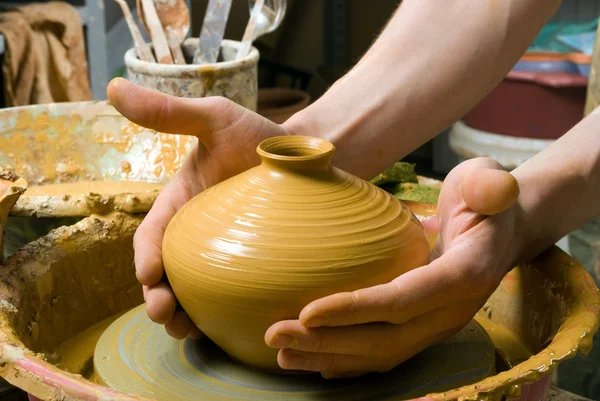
(489, 191)
(170, 114)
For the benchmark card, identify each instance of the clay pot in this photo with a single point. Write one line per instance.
(279, 104)
(257, 248)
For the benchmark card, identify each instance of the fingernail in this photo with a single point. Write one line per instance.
(295, 361)
(283, 341)
(316, 321)
(115, 81)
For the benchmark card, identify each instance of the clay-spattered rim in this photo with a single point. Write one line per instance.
(83, 205)
(176, 70)
(318, 148)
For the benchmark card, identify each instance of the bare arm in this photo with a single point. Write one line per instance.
(432, 63)
(560, 187)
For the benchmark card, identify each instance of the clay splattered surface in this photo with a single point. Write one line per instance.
(86, 141)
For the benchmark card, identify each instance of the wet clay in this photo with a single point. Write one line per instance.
(76, 354)
(83, 198)
(98, 187)
(136, 356)
(510, 348)
(257, 248)
(11, 188)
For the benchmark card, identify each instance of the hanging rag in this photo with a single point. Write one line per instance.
(45, 59)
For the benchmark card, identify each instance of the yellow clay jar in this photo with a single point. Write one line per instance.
(258, 247)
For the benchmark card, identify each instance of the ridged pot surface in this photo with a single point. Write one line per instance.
(258, 247)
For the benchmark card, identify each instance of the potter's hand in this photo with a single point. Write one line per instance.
(228, 135)
(375, 329)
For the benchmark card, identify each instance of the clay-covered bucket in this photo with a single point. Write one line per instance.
(236, 80)
(67, 142)
(77, 276)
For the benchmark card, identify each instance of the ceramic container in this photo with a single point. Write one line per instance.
(235, 80)
(257, 248)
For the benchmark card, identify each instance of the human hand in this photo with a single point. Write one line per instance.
(228, 135)
(375, 329)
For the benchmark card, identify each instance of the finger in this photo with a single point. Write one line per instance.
(342, 375)
(147, 241)
(171, 114)
(345, 340)
(179, 326)
(488, 191)
(160, 303)
(451, 193)
(379, 341)
(450, 277)
(332, 363)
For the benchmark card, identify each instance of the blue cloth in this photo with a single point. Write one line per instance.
(566, 37)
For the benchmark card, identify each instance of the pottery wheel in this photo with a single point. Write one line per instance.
(136, 356)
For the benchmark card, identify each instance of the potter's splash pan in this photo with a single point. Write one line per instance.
(75, 277)
(85, 141)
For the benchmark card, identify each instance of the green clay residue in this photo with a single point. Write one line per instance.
(401, 181)
(416, 193)
(400, 172)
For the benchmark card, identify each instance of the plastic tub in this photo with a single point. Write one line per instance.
(531, 105)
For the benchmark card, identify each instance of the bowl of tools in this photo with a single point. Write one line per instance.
(204, 66)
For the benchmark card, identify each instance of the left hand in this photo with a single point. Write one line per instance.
(377, 328)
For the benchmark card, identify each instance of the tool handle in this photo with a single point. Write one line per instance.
(177, 53)
(159, 39)
(141, 47)
(249, 32)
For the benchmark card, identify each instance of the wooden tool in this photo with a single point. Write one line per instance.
(142, 48)
(174, 17)
(249, 32)
(159, 39)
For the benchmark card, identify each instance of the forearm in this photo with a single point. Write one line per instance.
(429, 66)
(560, 188)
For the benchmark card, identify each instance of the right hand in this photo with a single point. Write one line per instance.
(228, 135)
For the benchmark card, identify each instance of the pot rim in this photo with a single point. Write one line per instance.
(295, 148)
(176, 70)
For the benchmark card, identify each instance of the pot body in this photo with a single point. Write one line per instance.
(257, 248)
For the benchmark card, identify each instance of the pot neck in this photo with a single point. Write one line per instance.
(296, 153)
